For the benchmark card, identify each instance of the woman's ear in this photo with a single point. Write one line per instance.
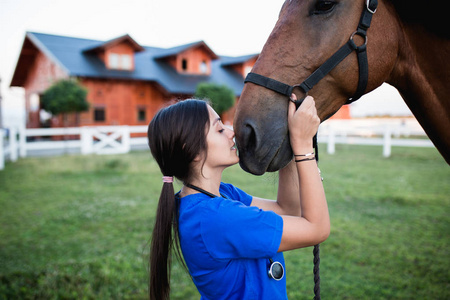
(198, 158)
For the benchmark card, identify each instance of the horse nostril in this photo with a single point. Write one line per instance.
(249, 139)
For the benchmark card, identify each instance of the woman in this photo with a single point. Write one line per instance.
(232, 243)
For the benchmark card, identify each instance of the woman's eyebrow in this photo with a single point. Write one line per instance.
(216, 120)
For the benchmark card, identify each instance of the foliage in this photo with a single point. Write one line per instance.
(65, 96)
(78, 227)
(222, 97)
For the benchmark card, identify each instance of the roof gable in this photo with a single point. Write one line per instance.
(180, 49)
(102, 46)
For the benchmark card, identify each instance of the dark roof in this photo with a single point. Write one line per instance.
(75, 56)
(175, 50)
(229, 61)
(126, 37)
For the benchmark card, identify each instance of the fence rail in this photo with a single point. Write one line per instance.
(376, 132)
(21, 142)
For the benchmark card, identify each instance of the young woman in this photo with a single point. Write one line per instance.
(232, 243)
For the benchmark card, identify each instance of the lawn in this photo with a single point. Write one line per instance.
(78, 227)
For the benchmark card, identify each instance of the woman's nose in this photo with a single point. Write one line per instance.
(230, 131)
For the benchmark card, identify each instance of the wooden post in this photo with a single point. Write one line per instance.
(331, 148)
(387, 142)
(86, 140)
(13, 143)
(126, 137)
(22, 141)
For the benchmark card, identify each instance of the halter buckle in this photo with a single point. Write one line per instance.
(368, 7)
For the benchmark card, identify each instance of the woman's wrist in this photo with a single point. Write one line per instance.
(303, 150)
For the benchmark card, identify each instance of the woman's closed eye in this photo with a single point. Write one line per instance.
(221, 130)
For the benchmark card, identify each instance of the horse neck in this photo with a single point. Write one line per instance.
(421, 75)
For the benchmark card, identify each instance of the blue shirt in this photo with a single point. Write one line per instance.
(227, 243)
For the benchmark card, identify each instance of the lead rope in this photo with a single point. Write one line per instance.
(316, 250)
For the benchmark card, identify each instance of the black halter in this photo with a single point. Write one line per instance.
(327, 66)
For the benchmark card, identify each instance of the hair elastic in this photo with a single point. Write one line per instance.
(167, 179)
(305, 159)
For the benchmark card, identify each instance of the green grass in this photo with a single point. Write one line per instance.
(78, 227)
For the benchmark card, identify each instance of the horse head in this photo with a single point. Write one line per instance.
(306, 34)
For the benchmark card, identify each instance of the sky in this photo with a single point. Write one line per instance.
(231, 27)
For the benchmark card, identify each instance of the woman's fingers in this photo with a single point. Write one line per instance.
(303, 122)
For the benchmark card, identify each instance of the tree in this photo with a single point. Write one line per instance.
(222, 97)
(65, 96)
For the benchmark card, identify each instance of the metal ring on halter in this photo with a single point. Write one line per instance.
(361, 35)
(292, 100)
(298, 102)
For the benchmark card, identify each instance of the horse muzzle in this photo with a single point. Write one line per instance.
(263, 149)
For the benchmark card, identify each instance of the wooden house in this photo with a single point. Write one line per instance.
(127, 83)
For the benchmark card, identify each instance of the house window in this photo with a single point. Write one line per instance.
(99, 114)
(126, 61)
(184, 64)
(203, 67)
(114, 61)
(120, 61)
(141, 114)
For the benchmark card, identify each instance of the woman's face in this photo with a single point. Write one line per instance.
(222, 151)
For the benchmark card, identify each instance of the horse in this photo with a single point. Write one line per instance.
(406, 44)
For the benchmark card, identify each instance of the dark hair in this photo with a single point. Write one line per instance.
(176, 136)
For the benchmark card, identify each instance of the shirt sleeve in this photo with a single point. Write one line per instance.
(236, 193)
(233, 230)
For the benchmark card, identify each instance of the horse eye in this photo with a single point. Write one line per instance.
(323, 7)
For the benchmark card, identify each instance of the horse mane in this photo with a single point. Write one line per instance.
(432, 15)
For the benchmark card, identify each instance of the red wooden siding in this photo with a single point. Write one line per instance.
(41, 74)
(120, 49)
(242, 68)
(122, 101)
(193, 58)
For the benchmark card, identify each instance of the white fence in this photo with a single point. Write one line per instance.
(21, 142)
(377, 132)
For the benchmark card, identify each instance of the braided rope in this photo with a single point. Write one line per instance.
(316, 252)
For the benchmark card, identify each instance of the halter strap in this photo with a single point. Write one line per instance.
(331, 63)
(271, 84)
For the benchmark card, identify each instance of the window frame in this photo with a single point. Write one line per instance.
(97, 110)
(141, 109)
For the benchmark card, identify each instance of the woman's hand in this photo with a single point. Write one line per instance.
(303, 125)
(313, 224)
